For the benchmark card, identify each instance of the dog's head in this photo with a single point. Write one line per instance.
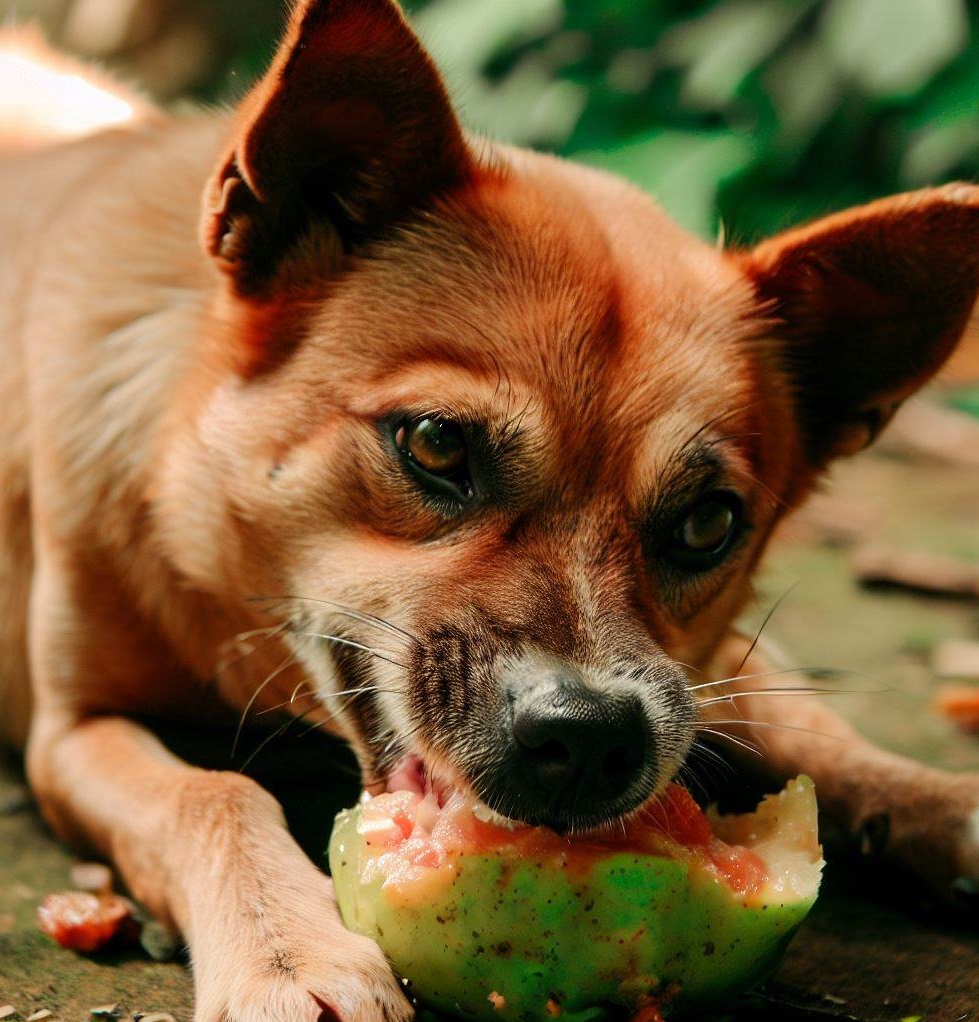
(503, 441)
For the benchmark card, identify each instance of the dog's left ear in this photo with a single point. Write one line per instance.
(350, 127)
(867, 305)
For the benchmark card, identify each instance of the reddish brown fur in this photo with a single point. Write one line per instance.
(192, 440)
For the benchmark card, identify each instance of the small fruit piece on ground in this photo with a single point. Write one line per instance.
(960, 705)
(83, 921)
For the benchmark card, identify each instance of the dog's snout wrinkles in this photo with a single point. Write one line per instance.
(575, 748)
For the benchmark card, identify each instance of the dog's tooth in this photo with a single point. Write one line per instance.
(427, 813)
(483, 812)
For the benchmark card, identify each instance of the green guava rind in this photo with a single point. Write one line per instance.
(628, 926)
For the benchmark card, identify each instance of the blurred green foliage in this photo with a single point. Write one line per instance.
(750, 113)
(754, 113)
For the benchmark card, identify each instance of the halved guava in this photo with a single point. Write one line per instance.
(676, 909)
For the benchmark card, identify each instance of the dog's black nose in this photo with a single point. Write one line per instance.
(578, 753)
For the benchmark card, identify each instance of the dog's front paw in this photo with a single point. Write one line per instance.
(352, 983)
(933, 827)
(344, 981)
(964, 886)
(279, 953)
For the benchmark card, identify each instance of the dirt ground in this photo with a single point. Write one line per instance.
(876, 948)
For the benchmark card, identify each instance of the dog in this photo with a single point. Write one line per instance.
(477, 445)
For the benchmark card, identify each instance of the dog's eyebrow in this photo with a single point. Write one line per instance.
(690, 470)
(698, 466)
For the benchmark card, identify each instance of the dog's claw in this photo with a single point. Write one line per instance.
(327, 1013)
(965, 894)
(874, 834)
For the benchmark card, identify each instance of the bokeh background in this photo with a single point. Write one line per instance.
(748, 113)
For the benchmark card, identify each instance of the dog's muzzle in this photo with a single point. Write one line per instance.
(572, 756)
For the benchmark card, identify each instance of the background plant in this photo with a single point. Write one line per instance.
(747, 113)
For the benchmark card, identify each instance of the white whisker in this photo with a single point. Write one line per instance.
(731, 738)
(381, 654)
(818, 671)
(285, 665)
(237, 643)
(275, 734)
(772, 725)
(802, 690)
(340, 608)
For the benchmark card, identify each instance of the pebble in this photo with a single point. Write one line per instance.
(159, 943)
(38, 1015)
(916, 570)
(956, 658)
(6, 1010)
(91, 876)
(17, 800)
(105, 1011)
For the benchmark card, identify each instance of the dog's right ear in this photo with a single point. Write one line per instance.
(349, 128)
(864, 306)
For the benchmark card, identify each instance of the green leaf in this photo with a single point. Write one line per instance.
(891, 48)
(936, 151)
(464, 36)
(527, 107)
(681, 169)
(720, 48)
(804, 91)
(966, 400)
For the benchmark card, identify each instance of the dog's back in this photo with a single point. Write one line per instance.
(64, 129)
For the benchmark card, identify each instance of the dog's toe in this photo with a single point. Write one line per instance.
(934, 829)
(361, 988)
(964, 888)
(317, 999)
(348, 982)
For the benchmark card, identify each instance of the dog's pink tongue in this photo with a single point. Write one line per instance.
(410, 775)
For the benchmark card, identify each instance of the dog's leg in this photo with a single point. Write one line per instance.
(206, 852)
(927, 819)
(209, 853)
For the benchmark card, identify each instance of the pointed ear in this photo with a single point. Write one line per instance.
(350, 127)
(867, 305)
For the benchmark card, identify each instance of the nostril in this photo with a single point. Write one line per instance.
(620, 763)
(551, 753)
(550, 762)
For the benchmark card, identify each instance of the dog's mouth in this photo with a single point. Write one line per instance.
(438, 792)
(412, 774)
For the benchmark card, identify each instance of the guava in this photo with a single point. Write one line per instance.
(675, 908)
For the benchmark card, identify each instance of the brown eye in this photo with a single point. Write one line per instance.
(707, 527)
(437, 454)
(707, 531)
(436, 445)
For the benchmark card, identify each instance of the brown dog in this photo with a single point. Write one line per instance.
(475, 437)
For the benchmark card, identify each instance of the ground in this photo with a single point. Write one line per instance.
(875, 947)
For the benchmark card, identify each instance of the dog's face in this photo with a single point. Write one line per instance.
(500, 443)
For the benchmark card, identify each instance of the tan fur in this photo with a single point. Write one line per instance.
(191, 440)
(49, 98)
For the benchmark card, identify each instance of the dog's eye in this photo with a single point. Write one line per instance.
(707, 531)
(436, 445)
(436, 451)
